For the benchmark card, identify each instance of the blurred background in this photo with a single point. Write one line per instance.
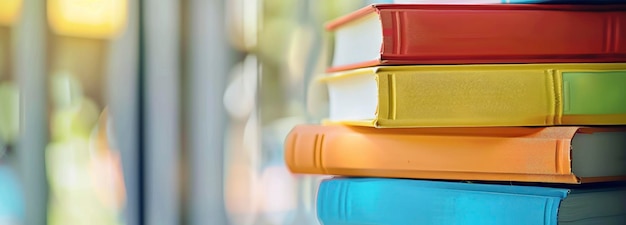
(158, 111)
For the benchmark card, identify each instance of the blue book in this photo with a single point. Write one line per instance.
(378, 201)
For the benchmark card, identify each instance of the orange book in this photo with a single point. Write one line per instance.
(528, 154)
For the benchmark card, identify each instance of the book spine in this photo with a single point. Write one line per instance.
(348, 151)
(468, 98)
(506, 97)
(351, 201)
(423, 36)
(303, 152)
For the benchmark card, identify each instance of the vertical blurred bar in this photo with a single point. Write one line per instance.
(122, 98)
(161, 20)
(30, 70)
(208, 61)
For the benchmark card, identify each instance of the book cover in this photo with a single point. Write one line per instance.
(526, 154)
(400, 34)
(479, 95)
(352, 201)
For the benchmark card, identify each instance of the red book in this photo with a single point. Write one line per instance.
(397, 34)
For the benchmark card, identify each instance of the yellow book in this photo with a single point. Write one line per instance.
(479, 95)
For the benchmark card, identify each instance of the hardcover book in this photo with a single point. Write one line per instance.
(357, 201)
(399, 34)
(526, 154)
(479, 95)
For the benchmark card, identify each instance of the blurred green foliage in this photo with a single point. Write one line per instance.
(9, 112)
(289, 41)
(74, 115)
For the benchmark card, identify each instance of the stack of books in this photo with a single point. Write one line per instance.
(472, 114)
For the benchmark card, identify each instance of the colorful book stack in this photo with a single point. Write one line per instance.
(472, 114)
